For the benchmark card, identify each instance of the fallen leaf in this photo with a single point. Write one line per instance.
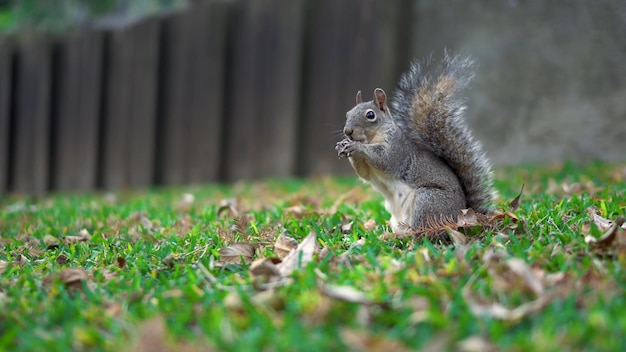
(284, 245)
(265, 268)
(476, 344)
(346, 293)
(21, 260)
(346, 228)
(524, 271)
(50, 241)
(608, 238)
(230, 205)
(72, 278)
(83, 236)
(121, 262)
(468, 218)
(61, 259)
(300, 256)
(296, 211)
(364, 341)
(457, 237)
(515, 202)
(3, 265)
(369, 225)
(236, 253)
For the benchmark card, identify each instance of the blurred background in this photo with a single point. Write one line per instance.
(108, 94)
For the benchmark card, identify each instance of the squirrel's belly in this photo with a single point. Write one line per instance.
(399, 200)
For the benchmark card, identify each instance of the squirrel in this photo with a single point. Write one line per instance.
(419, 152)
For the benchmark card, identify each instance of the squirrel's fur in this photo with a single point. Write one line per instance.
(420, 153)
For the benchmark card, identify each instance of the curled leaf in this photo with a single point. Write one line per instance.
(284, 245)
(609, 236)
(457, 237)
(515, 202)
(236, 253)
(299, 257)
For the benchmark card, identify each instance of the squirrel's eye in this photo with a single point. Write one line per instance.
(370, 115)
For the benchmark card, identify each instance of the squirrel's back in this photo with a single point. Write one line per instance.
(429, 109)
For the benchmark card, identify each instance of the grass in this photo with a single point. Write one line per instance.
(152, 270)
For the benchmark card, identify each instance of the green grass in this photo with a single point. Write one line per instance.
(153, 265)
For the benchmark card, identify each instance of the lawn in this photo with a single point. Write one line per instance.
(301, 265)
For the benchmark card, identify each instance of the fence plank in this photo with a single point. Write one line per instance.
(144, 80)
(30, 174)
(130, 104)
(77, 115)
(209, 24)
(352, 46)
(264, 93)
(6, 74)
(175, 100)
(116, 108)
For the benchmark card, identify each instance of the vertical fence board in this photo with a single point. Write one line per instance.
(144, 80)
(78, 93)
(241, 142)
(279, 66)
(175, 98)
(67, 91)
(117, 109)
(6, 75)
(261, 138)
(91, 51)
(209, 25)
(352, 46)
(30, 174)
(325, 98)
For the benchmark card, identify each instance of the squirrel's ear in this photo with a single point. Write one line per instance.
(380, 98)
(358, 97)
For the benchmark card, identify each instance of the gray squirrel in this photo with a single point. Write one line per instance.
(420, 154)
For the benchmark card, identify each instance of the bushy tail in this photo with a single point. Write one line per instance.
(430, 110)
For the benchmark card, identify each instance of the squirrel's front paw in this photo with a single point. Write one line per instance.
(345, 148)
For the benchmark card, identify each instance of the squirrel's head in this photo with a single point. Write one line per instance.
(367, 121)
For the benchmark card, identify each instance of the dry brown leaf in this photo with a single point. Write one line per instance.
(532, 281)
(610, 235)
(476, 344)
(300, 256)
(515, 202)
(50, 241)
(369, 225)
(284, 245)
(3, 265)
(83, 236)
(508, 214)
(498, 311)
(457, 237)
(346, 228)
(265, 268)
(296, 211)
(236, 253)
(364, 341)
(62, 259)
(21, 260)
(72, 278)
(346, 293)
(468, 218)
(230, 205)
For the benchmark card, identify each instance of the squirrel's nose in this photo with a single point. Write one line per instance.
(348, 131)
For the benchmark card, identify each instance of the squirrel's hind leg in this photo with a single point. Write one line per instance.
(434, 205)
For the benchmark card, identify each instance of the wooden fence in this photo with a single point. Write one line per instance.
(223, 91)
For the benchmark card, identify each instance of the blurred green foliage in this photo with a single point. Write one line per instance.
(59, 15)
